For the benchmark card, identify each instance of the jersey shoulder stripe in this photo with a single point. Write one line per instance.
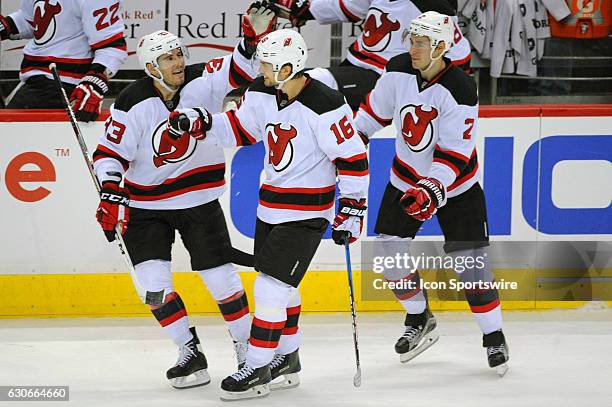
(401, 63)
(461, 86)
(135, 93)
(320, 98)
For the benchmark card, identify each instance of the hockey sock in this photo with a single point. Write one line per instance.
(408, 282)
(225, 286)
(410, 294)
(484, 303)
(271, 300)
(236, 313)
(172, 316)
(291, 335)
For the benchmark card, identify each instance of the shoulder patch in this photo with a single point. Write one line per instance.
(135, 93)
(258, 86)
(320, 98)
(401, 63)
(461, 86)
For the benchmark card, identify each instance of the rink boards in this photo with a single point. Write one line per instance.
(547, 176)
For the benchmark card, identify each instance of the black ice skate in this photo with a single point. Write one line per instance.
(498, 353)
(190, 369)
(286, 367)
(241, 349)
(419, 335)
(247, 383)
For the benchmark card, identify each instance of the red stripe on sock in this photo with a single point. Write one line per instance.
(290, 331)
(268, 325)
(263, 344)
(236, 315)
(294, 310)
(173, 318)
(480, 309)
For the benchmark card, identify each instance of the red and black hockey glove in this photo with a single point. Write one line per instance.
(296, 11)
(88, 95)
(258, 21)
(113, 209)
(194, 122)
(348, 222)
(8, 30)
(423, 201)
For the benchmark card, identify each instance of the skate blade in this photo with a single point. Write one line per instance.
(196, 379)
(255, 392)
(427, 342)
(288, 381)
(502, 369)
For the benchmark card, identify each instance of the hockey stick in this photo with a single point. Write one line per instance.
(357, 378)
(83, 146)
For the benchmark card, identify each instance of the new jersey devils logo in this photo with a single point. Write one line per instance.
(44, 23)
(280, 146)
(417, 126)
(168, 150)
(377, 30)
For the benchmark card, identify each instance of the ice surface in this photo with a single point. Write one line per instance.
(558, 358)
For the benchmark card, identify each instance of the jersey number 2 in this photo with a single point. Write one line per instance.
(467, 134)
(345, 127)
(102, 13)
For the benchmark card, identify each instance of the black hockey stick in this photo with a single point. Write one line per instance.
(357, 378)
(83, 146)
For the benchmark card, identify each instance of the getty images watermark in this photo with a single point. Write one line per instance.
(518, 270)
(405, 264)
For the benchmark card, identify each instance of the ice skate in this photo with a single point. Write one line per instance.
(419, 335)
(246, 383)
(498, 353)
(190, 369)
(285, 367)
(240, 348)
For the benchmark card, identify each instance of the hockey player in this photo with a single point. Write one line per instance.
(384, 35)
(85, 40)
(434, 107)
(175, 185)
(307, 131)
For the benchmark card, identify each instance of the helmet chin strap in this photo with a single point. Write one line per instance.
(160, 80)
(433, 59)
(279, 83)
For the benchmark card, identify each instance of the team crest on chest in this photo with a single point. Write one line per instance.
(417, 126)
(44, 23)
(167, 150)
(280, 146)
(377, 30)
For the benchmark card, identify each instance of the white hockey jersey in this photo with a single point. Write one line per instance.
(306, 140)
(160, 172)
(435, 123)
(72, 33)
(385, 27)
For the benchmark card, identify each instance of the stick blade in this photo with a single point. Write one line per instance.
(357, 378)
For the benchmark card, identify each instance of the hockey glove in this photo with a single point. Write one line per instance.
(8, 30)
(423, 201)
(193, 122)
(113, 209)
(88, 96)
(259, 21)
(348, 222)
(296, 11)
